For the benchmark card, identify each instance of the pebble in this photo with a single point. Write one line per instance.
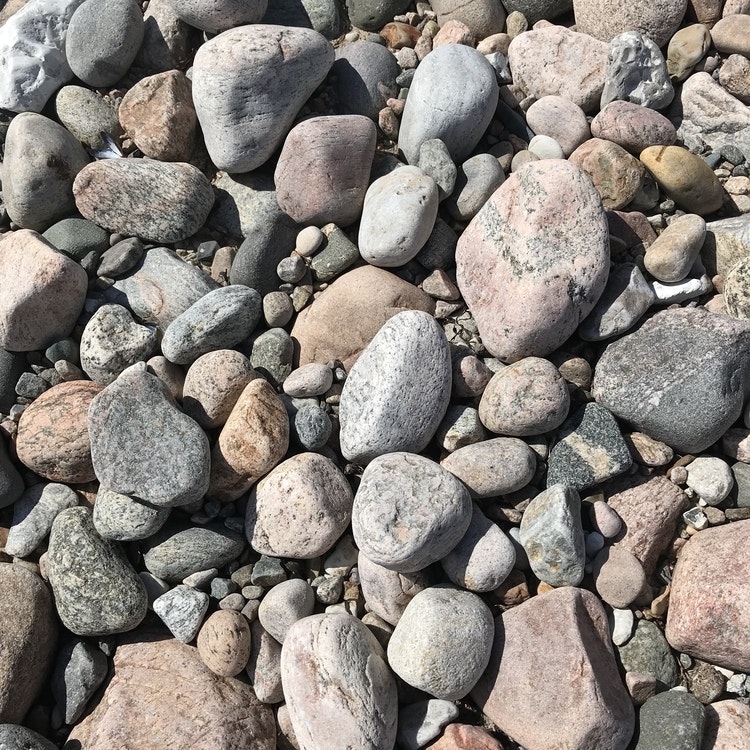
(671, 721)
(710, 478)
(80, 669)
(300, 510)
(460, 427)
(632, 126)
(283, 605)
(96, 590)
(435, 160)
(224, 643)
(672, 254)
(559, 118)
(668, 294)
(686, 48)
(267, 572)
(286, 65)
(648, 653)
(604, 519)
(182, 610)
(219, 16)
(124, 518)
(458, 625)
(622, 625)
(272, 354)
(312, 427)
(477, 178)
(545, 147)
(619, 578)
(309, 380)
(77, 238)
(532, 262)
(17, 737)
(419, 723)
(277, 309)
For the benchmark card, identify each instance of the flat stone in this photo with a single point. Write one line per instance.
(670, 721)
(561, 119)
(81, 667)
(125, 519)
(264, 666)
(647, 652)
(632, 126)
(729, 34)
(77, 237)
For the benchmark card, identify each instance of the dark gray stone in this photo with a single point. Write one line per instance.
(179, 549)
(440, 249)
(142, 445)
(79, 671)
(420, 722)
(11, 484)
(272, 354)
(120, 258)
(648, 652)
(66, 349)
(372, 15)
(535, 10)
(435, 160)
(590, 450)
(77, 237)
(673, 720)
(30, 385)
(97, 592)
(267, 572)
(12, 365)
(125, 519)
(321, 15)
(337, 255)
(16, 737)
(312, 427)
(680, 378)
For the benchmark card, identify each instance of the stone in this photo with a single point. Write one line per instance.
(264, 666)
(632, 126)
(125, 519)
(120, 258)
(96, 590)
(244, 118)
(492, 467)
(182, 610)
(736, 290)
(86, 114)
(552, 536)
(477, 179)
(166, 39)
(557, 61)
(219, 16)
(322, 15)
(726, 725)
(686, 48)
(80, 669)
(453, 97)
(53, 438)
(647, 451)
(708, 596)
(520, 691)
(398, 390)
(312, 427)
(308, 381)
(652, 396)
(619, 577)
(338, 255)
(300, 509)
(435, 160)
(253, 440)
(103, 39)
(544, 147)
(465, 737)
(670, 721)
(77, 238)
(561, 119)
(349, 693)
(734, 77)
(528, 397)
(729, 34)
(283, 605)
(710, 478)
(460, 427)
(506, 255)
(33, 514)
(272, 354)
(156, 201)
(17, 737)
(589, 450)
(418, 723)
(637, 72)
(442, 620)
(622, 625)
(224, 643)
(674, 251)
(483, 18)
(367, 297)
(647, 652)
(29, 640)
(211, 710)
(323, 170)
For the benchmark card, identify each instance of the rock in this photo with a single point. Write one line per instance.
(125, 519)
(166, 39)
(536, 10)
(616, 174)
(80, 669)
(729, 34)
(96, 590)
(529, 397)
(492, 467)
(736, 290)
(673, 253)
(511, 255)
(435, 161)
(544, 147)
(28, 643)
(244, 117)
(300, 509)
(708, 596)
(178, 549)
(264, 666)
(442, 643)
(103, 39)
(272, 354)
(367, 297)
(552, 536)
(253, 440)
(182, 610)
(465, 737)
(142, 445)
(156, 201)
(323, 170)
(670, 721)
(112, 341)
(524, 682)
(158, 115)
(283, 605)
(77, 238)
(452, 97)
(686, 48)
(560, 62)
(398, 390)
(32, 48)
(648, 653)
(17, 737)
(734, 77)
(685, 408)
(482, 17)
(211, 709)
(477, 179)
(637, 72)
(418, 723)
(33, 514)
(350, 693)
(561, 119)
(632, 126)
(589, 450)
(224, 643)
(710, 478)
(321, 15)
(647, 451)
(53, 438)
(86, 114)
(619, 577)
(726, 725)
(219, 16)
(308, 381)
(605, 20)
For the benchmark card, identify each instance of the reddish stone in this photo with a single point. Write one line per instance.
(398, 35)
(465, 737)
(633, 127)
(727, 726)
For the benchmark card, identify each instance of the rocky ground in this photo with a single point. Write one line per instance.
(375, 376)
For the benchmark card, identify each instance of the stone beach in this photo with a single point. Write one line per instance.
(374, 374)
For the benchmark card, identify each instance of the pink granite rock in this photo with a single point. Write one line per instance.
(534, 261)
(42, 292)
(727, 726)
(465, 737)
(633, 127)
(557, 638)
(483, 17)
(561, 119)
(710, 598)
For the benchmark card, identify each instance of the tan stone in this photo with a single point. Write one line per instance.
(731, 35)
(671, 256)
(465, 737)
(734, 76)
(53, 436)
(224, 642)
(686, 48)
(454, 32)
(704, 11)
(727, 726)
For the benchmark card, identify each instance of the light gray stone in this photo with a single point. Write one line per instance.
(17, 737)
(419, 723)
(477, 178)
(80, 669)
(264, 666)
(710, 478)
(182, 610)
(125, 519)
(460, 427)
(221, 15)
(435, 160)
(283, 605)
(86, 114)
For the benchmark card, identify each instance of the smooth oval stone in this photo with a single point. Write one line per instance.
(686, 48)
(86, 114)
(452, 97)
(398, 390)
(142, 445)
(284, 604)
(324, 168)
(348, 693)
(179, 549)
(248, 85)
(97, 592)
(156, 201)
(41, 162)
(408, 512)
(730, 34)
(224, 643)
(671, 256)
(483, 17)
(372, 15)
(77, 238)
(685, 178)
(103, 38)
(542, 236)
(633, 127)
(300, 509)
(219, 320)
(476, 180)
(309, 380)
(124, 519)
(560, 119)
(219, 16)
(443, 641)
(398, 216)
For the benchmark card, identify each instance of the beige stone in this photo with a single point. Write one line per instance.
(224, 642)
(727, 726)
(734, 76)
(686, 48)
(731, 35)
(671, 256)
